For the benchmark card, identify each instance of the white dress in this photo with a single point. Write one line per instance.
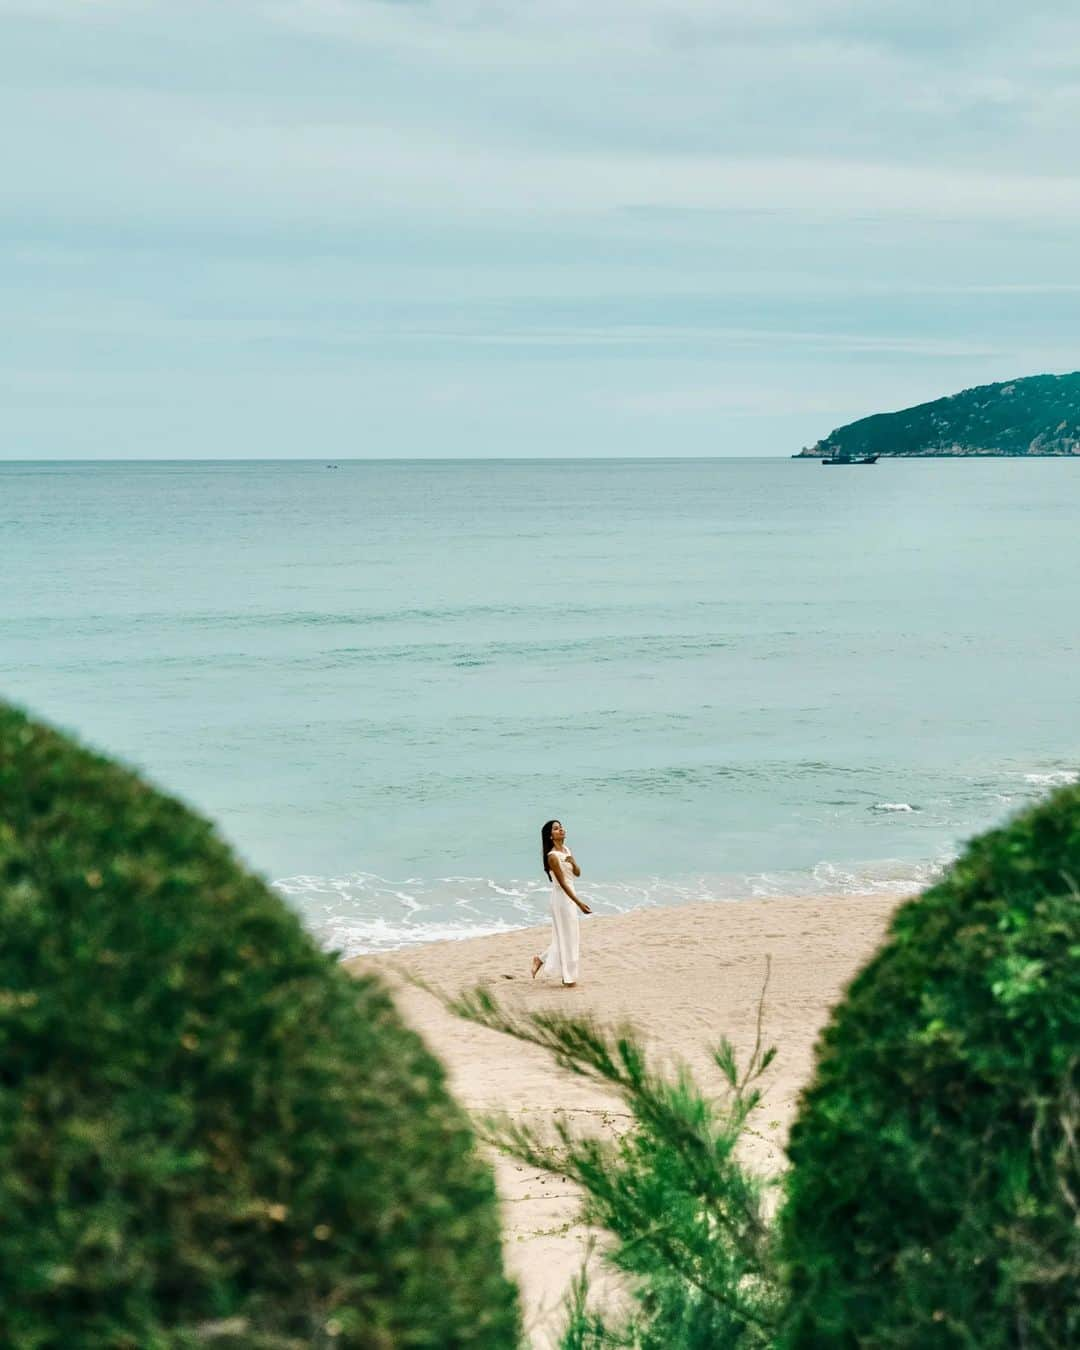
(561, 958)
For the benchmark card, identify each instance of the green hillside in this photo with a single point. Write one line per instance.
(1039, 415)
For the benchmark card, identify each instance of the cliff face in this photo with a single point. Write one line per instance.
(1039, 415)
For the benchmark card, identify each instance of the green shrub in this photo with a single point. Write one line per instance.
(933, 1198)
(209, 1134)
(687, 1223)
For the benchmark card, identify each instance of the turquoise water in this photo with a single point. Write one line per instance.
(727, 677)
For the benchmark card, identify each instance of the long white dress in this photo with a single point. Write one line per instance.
(561, 958)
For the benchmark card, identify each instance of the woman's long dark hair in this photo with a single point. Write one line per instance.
(546, 844)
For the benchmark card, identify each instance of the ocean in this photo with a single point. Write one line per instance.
(727, 677)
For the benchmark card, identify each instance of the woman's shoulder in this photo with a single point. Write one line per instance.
(556, 853)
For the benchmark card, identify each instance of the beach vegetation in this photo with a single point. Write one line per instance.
(209, 1133)
(686, 1221)
(934, 1193)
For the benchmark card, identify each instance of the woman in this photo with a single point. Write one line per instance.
(561, 958)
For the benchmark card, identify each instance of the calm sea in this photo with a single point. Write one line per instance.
(727, 677)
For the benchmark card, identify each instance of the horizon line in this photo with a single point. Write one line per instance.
(385, 459)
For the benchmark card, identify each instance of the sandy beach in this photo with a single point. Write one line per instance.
(684, 977)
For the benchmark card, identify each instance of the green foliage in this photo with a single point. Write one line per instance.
(688, 1220)
(209, 1134)
(1039, 415)
(934, 1198)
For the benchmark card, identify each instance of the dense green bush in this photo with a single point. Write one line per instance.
(209, 1134)
(933, 1199)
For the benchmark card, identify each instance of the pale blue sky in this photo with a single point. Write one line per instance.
(339, 228)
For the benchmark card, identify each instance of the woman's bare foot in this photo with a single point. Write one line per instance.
(536, 964)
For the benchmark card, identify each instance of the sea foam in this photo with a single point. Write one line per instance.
(363, 913)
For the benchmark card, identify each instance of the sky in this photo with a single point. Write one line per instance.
(417, 228)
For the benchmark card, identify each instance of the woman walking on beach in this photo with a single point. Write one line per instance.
(561, 958)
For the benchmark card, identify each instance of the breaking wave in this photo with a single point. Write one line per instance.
(363, 913)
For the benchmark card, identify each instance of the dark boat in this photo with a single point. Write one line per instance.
(847, 459)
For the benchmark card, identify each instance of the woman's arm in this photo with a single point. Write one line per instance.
(573, 863)
(556, 867)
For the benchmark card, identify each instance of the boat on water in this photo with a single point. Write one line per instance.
(851, 459)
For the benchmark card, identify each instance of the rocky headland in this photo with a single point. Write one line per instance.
(1036, 415)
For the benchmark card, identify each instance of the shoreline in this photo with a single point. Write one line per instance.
(684, 976)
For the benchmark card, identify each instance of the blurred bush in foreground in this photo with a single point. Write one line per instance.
(934, 1195)
(209, 1134)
